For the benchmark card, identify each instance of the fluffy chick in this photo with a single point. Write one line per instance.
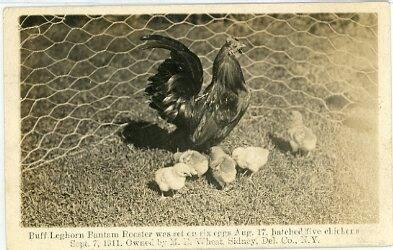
(195, 160)
(250, 158)
(173, 178)
(301, 138)
(223, 166)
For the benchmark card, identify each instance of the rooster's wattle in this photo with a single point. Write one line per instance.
(205, 118)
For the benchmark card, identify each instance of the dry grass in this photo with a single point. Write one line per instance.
(111, 185)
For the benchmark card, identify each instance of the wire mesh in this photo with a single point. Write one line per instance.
(82, 76)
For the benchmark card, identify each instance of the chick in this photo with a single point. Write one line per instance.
(195, 160)
(301, 138)
(223, 166)
(173, 178)
(250, 158)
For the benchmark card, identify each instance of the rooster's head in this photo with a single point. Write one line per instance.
(234, 46)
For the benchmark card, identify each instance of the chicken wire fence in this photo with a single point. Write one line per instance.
(82, 76)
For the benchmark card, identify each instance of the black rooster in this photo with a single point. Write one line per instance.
(204, 119)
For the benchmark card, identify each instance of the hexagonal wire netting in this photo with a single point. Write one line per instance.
(81, 76)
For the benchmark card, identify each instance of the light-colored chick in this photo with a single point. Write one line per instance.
(223, 166)
(173, 178)
(250, 158)
(301, 138)
(195, 160)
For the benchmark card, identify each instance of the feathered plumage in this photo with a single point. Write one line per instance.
(175, 91)
(173, 178)
(195, 160)
(223, 166)
(250, 158)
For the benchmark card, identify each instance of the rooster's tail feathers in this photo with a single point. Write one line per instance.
(162, 90)
(177, 81)
(157, 41)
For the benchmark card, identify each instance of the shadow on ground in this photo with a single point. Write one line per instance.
(147, 135)
(152, 185)
(280, 143)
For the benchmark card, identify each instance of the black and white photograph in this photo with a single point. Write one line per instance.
(199, 119)
(264, 113)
